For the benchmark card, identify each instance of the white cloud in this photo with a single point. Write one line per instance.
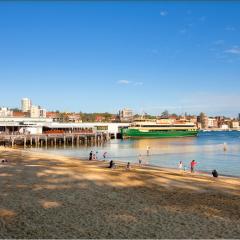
(163, 13)
(123, 82)
(233, 50)
(126, 82)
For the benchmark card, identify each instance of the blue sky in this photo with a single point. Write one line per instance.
(148, 56)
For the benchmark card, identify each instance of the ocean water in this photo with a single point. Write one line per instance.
(211, 150)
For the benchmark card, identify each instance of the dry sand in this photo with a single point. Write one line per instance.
(46, 196)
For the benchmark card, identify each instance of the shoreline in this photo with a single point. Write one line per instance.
(197, 172)
(123, 164)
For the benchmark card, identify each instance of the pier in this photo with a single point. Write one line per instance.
(55, 139)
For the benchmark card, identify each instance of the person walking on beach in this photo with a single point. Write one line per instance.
(192, 165)
(140, 159)
(148, 150)
(90, 155)
(180, 165)
(224, 147)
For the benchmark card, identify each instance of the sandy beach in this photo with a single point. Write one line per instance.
(47, 196)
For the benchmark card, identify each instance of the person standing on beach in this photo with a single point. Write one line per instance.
(180, 165)
(104, 155)
(192, 165)
(148, 150)
(140, 159)
(90, 155)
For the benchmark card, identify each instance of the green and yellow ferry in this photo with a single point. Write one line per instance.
(160, 128)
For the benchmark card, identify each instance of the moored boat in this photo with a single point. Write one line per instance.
(160, 128)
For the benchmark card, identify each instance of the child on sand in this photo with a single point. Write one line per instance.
(128, 167)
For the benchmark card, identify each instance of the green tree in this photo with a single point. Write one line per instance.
(165, 114)
(202, 118)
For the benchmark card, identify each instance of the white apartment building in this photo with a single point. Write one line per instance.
(235, 124)
(26, 104)
(126, 115)
(5, 112)
(42, 113)
(35, 112)
(212, 123)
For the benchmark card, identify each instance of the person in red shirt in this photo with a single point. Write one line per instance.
(193, 164)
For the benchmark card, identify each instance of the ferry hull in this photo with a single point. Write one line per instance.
(133, 133)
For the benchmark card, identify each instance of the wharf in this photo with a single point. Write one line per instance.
(53, 139)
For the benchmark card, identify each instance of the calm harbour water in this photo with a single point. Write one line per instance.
(207, 149)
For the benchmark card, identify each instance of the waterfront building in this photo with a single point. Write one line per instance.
(212, 123)
(42, 113)
(5, 112)
(40, 125)
(224, 127)
(23, 125)
(35, 112)
(99, 118)
(21, 114)
(55, 116)
(126, 115)
(74, 117)
(26, 104)
(235, 124)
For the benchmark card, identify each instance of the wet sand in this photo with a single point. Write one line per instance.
(47, 196)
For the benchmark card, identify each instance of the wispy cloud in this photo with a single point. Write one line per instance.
(132, 83)
(234, 50)
(123, 82)
(163, 13)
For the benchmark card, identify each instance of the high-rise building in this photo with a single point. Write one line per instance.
(239, 116)
(26, 104)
